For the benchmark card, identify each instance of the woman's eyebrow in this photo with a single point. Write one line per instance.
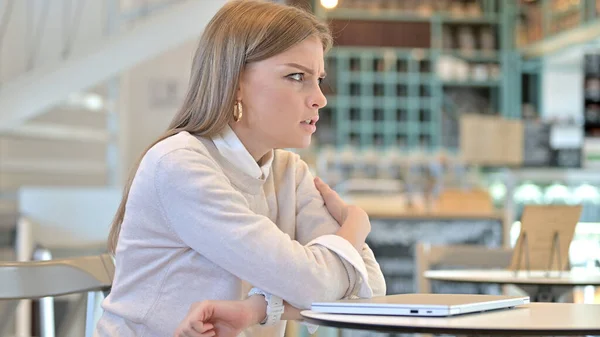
(305, 69)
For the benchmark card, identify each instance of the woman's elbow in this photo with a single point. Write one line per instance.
(322, 290)
(380, 290)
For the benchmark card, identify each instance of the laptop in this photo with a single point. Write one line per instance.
(438, 305)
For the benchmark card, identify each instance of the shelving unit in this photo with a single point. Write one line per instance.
(382, 97)
(591, 99)
(400, 15)
(547, 26)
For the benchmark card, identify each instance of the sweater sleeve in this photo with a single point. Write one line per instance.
(314, 223)
(376, 279)
(207, 214)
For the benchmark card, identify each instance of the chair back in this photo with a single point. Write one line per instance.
(428, 256)
(37, 279)
(27, 280)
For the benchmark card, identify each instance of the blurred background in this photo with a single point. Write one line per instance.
(445, 117)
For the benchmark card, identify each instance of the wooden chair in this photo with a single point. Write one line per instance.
(429, 256)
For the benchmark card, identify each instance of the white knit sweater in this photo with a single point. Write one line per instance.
(197, 227)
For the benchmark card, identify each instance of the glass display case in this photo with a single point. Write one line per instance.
(511, 190)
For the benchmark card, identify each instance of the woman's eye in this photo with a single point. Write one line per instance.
(321, 80)
(297, 77)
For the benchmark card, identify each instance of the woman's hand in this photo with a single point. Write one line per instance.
(221, 318)
(354, 221)
(335, 205)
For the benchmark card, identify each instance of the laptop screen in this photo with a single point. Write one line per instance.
(422, 299)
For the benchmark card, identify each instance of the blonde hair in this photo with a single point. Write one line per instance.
(241, 32)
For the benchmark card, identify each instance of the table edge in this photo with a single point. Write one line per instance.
(437, 330)
(524, 282)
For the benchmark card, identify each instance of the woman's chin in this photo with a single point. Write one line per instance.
(298, 144)
(305, 142)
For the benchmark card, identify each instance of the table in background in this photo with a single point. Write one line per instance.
(540, 286)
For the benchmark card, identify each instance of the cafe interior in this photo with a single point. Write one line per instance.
(468, 130)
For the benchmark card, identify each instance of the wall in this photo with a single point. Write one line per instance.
(562, 85)
(151, 94)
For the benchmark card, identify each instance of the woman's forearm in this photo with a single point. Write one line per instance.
(256, 307)
(291, 313)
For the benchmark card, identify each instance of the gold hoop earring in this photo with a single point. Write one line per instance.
(238, 111)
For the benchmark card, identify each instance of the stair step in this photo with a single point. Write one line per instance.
(72, 116)
(59, 132)
(56, 167)
(14, 180)
(23, 148)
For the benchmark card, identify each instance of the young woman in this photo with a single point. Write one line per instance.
(215, 213)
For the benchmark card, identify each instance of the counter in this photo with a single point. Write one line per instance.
(397, 228)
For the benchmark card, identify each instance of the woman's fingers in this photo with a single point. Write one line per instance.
(201, 327)
(194, 324)
(188, 332)
(327, 192)
(197, 329)
(321, 186)
(334, 203)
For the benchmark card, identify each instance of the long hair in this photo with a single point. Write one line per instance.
(241, 32)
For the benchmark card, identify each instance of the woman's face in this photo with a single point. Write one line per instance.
(281, 98)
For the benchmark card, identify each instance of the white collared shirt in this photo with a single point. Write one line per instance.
(232, 148)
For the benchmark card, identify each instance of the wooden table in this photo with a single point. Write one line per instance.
(394, 206)
(542, 287)
(533, 319)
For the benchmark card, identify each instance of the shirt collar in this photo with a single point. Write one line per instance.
(230, 146)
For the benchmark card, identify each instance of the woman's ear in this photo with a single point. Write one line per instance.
(238, 95)
(238, 92)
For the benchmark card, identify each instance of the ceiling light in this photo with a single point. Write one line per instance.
(329, 4)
